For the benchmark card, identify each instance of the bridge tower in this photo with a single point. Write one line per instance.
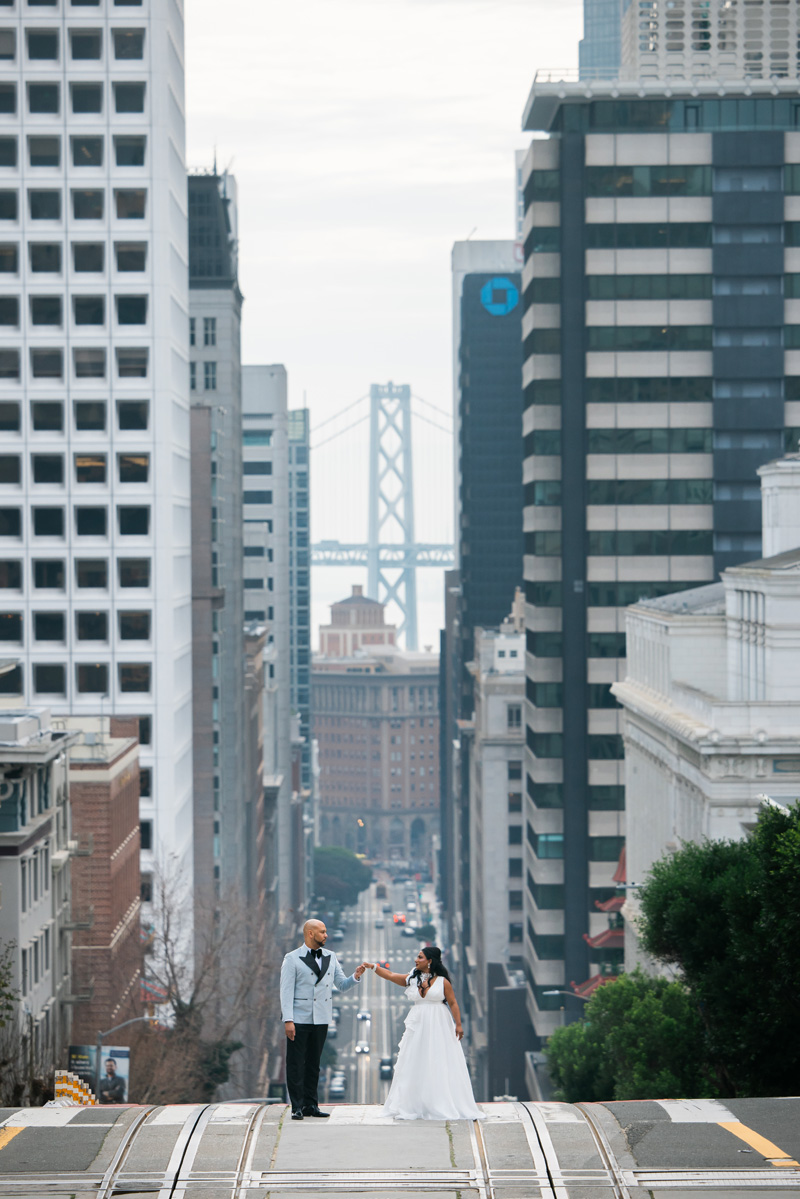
(391, 504)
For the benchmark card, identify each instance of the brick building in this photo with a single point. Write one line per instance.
(356, 623)
(104, 790)
(376, 721)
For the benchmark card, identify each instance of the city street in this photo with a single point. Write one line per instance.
(385, 1001)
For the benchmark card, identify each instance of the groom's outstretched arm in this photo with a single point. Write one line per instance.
(340, 979)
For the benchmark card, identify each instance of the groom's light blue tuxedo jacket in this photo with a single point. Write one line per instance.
(306, 998)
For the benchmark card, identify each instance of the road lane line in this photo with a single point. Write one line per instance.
(766, 1148)
(8, 1134)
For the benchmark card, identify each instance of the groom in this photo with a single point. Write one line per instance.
(308, 976)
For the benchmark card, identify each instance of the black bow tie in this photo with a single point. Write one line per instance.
(315, 953)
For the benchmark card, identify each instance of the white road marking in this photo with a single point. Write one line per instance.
(697, 1111)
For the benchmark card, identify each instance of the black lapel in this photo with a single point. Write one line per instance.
(324, 963)
(311, 962)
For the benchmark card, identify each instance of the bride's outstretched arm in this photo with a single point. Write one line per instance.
(382, 972)
(450, 1000)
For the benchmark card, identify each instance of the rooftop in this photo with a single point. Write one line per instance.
(697, 601)
(666, 101)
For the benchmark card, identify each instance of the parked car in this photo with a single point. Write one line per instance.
(362, 1046)
(364, 1014)
(386, 1069)
(379, 924)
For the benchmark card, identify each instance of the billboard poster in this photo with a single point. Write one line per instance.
(115, 1067)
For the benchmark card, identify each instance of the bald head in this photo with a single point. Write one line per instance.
(315, 934)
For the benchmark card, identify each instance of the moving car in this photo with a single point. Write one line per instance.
(412, 907)
(337, 1089)
(379, 924)
(364, 1014)
(399, 917)
(333, 1030)
(408, 931)
(336, 1012)
(386, 1069)
(337, 934)
(387, 909)
(362, 1046)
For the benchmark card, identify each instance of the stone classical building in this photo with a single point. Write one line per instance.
(493, 955)
(357, 623)
(711, 697)
(376, 719)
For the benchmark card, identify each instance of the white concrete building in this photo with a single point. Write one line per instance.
(95, 587)
(711, 698)
(35, 895)
(495, 808)
(716, 39)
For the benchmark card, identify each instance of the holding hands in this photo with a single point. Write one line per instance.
(359, 970)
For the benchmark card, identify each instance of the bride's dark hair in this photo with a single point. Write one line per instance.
(435, 964)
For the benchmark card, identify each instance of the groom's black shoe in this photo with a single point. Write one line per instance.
(297, 1115)
(315, 1111)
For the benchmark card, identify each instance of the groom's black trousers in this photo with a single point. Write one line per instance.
(302, 1064)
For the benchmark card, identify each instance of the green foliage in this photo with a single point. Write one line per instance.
(8, 996)
(726, 915)
(427, 932)
(639, 1038)
(339, 875)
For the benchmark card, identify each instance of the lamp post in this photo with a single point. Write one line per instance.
(99, 1048)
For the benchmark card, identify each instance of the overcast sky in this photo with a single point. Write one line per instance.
(366, 137)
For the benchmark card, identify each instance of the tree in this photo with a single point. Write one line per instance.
(639, 1038)
(218, 975)
(339, 875)
(725, 914)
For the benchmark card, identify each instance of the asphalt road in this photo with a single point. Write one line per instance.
(385, 1001)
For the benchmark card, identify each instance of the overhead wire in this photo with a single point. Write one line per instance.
(340, 432)
(441, 411)
(336, 415)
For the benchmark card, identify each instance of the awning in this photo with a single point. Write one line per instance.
(590, 986)
(610, 905)
(610, 938)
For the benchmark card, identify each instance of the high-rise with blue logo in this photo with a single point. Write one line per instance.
(487, 378)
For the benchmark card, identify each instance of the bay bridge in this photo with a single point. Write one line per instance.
(391, 552)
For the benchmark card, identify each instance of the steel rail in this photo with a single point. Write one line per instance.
(245, 1164)
(111, 1176)
(606, 1152)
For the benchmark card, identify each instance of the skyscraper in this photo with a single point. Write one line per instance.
(300, 581)
(215, 311)
(487, 365)
(599, 49)
(95, 529)
(660, 372)
(709, 39)
(265, 464)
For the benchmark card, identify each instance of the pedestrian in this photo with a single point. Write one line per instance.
(308, 976)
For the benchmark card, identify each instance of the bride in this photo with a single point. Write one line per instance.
(431, 1081)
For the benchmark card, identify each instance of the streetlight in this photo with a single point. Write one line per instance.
(99, 1048)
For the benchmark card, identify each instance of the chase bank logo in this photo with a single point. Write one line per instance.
(499, 296)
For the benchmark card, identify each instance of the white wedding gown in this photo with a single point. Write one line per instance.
(431, 1080)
